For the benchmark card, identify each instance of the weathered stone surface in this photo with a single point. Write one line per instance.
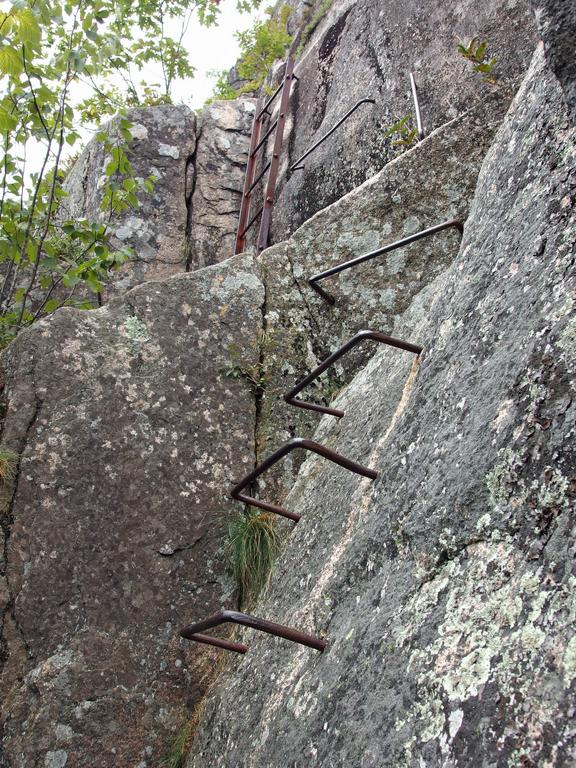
(367, 49)
(129, 434)
(219, 169)
(445, 589)
(164, 143)
(556, 20)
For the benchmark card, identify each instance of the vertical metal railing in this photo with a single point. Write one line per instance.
(419, 126)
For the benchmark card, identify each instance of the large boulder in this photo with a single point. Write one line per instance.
(444, 589)
(163, 145)
(128, 432)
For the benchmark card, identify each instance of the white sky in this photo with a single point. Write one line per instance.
(210, 49)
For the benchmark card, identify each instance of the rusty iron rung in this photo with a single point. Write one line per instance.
(312, 281)
(295, 442)
(194, 631)
(296, 166)
(263, 139)
(257, 179)
(252, 220)
(290, 397)
(264, 110)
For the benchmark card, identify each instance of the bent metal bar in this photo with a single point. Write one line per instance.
(194, 631)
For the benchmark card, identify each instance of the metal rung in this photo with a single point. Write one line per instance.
(193, 631)
(373, 335)
(264, 109)
(296, 442)
(263, 139)
(296, 166)
(252, 220)
(257, 179)
(312, 282)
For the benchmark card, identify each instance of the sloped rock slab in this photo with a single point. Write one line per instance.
(366, 49)
(432, 183)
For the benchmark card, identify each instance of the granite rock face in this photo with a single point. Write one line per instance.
(163, 145)
(556, 20)
(445, 589)
(367, 49)
(224, 129)
(128, 432)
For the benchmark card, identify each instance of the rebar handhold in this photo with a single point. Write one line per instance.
(360, 336)
(194, 631)
(295, 442)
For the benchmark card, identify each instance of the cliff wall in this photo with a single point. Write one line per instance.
(444, 589)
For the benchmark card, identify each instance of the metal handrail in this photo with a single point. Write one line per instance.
(378, 252)
(193, 631)
(295, 442)
(296, 166)
(373, 335)
(419, 126)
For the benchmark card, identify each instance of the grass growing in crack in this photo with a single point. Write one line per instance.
(8, 464)
(253, 546)
(179, 748)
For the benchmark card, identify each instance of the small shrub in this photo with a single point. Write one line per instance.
(8, 464)
(223, 91)
(475, 52)
(253, 546)
(261, 46)
(308, 30)
(406, 134)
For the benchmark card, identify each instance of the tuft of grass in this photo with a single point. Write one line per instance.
(179, 748)
(253, 546)
(8, 464)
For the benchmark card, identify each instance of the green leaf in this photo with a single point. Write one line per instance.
(7, 121)
(51, 305)
(481, 50)
(28, 28)
(70, 281)
(10, 62)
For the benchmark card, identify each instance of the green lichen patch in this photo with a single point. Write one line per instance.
(136, 330)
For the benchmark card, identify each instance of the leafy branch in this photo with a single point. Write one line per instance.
(475, 52)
